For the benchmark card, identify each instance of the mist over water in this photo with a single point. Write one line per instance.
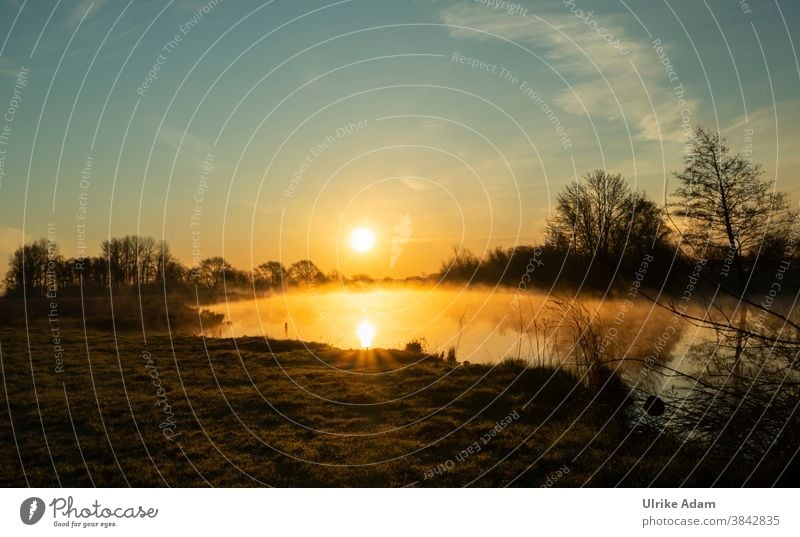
(484, 324)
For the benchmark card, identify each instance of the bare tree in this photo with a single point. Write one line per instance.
(169, 270)
(727, 207)
(742, 412)
(741, 407)
(725, 201)
(462, 265)
(146, 253)
(27, 266)
(134, 259)
(602, 217)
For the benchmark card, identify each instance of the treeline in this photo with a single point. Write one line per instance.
(724, 217)
(557, 262)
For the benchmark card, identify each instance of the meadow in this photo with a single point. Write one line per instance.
(186, 411)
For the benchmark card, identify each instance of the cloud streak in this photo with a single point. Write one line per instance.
(613, 74)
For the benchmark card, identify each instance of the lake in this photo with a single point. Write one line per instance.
(484, 324)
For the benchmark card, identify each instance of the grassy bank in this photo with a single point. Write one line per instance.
(248, 412)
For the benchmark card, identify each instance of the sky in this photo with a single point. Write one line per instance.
(271, 130)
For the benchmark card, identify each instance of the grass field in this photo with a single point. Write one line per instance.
(248, 412)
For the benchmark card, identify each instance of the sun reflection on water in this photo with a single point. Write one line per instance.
(366, 333)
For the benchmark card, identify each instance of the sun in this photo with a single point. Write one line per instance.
(362, 239)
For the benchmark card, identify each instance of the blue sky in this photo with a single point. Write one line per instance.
(363, 101)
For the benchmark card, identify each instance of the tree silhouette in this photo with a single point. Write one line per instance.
(462, 265)
(135, 260)
(728, 208)
(27, 266)
(724, 200)
(305, 271)
(211, 272)
(270, 274)
(602, 217)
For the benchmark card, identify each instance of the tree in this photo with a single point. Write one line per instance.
(211, 272)
(462, 265)
(145, 259)
(270, 274)
(96, 271)
(170, 271)
(778, 246)
(305, 271)
(602, 217)
(726, 204)
(134, 259)
(28, 267)
(742, 405)
(116, 253)
(238, 278)
(728, 207)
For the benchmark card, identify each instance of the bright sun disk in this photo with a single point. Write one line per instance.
(362, 239)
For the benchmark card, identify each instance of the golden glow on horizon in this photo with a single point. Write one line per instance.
(366, 333)
(362, 239)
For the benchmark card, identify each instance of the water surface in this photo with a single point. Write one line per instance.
(484, 325)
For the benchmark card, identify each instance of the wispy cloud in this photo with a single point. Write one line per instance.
(79, 10)
(416, 185)
(192, 145)
(16, 4)
(604, 78)
(8, 68)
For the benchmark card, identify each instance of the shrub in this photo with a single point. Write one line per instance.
(416, 346)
